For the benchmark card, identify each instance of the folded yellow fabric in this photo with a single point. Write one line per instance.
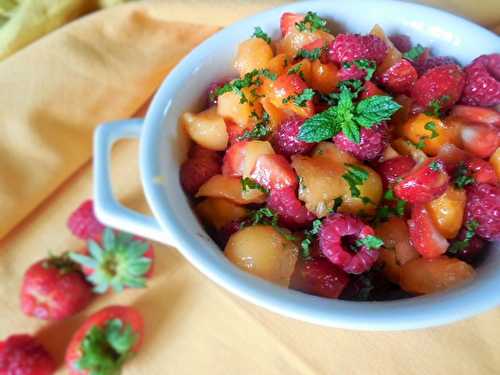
(103, 67)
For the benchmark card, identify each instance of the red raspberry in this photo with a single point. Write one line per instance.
(84, 224)
(399, 78)
(223, 234)
(483, 205)
(393, 169)
(424, 183)
(319, 277)
(198, 168)
(351, 47)
(351, 72)
(473, 250)
(211, 89)
(291, 212)
(285, 140)
(482, 81)
(373, 142)
(23, 355)
(338, 229)
(423, 65)
(442, 85)
(401, 41)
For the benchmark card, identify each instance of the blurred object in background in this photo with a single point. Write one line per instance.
(24, 21)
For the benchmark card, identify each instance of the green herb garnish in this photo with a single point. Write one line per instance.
(312, 55)
(259, 33)
(414, 53)
(355, 176)
(458, 246)
(310, 235)
(462, 176)
(370, 242)
(312, 22)
(248, 184)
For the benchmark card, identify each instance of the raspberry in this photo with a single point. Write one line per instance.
(351, 47)
(442, 85)
(285, 140)
(338, 229)
(482, 81)
(401, 41)
(198, 168)
(372, 144)
(423, 65)
(473, 250)
(351, 72)
(84, 224)
(291, 212)
(222, 236)
(211, 89)
(319, 277)
(393, 169)
(23, 355)
(423, 184)
(400, 77)
(483, 205)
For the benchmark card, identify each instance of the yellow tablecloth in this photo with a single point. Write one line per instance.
(103, 67)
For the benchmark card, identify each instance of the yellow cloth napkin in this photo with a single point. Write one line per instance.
(104, 67)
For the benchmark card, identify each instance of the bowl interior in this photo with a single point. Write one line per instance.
(163, 148)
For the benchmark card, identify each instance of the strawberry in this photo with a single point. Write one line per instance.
(440, 86)
(290, 210)
(423, 233)
(288, 21)
(83, 223)
(424, 183)
(198, 168)
(24, 355)
(476, 114)
(274, 172)
(399, 78)
(393, 169)
(370, 89)
(105, 341)
(480, 139)
(120, 261)
(482, 171)
(234, 132)
(234, 158)
(319, 277)
(54, 289)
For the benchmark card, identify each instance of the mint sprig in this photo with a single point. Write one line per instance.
(348, 117)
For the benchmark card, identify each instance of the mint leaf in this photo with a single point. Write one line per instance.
(302, 99)
(354, 86)
(458, 246)
(295, 69)
(312, 22)
(259, 33)
(312, 55)
(370, 242)
(414, 53)
(310, 235)
(369, 66)
(261, 130)
(249, 184)
(434, 108)
(462, 176)
(355, 176)
(435, 166)
(320, 126)
(249, 79)
(431, 126)
(375, 109)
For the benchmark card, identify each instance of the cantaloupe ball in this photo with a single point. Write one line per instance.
(253, 53)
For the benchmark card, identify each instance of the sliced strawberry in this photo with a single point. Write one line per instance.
(288, 21)
(393, 169)
(319, 277)
(274, 172)
(424, 183)
(423, 234)
(318, 43)
(371, 89)
(234, 160)
(234, 132)
(476, 114)
(482, 171)
(480, 139)
(399, 78)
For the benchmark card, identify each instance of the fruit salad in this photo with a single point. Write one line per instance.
(349, 166)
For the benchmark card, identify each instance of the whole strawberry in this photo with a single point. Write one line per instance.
(84, 224)
(23, 355)
(119, 261)
(105, 342)
(439, 87)
(54, 289)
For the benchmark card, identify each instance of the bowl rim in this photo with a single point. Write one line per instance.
(412, 313)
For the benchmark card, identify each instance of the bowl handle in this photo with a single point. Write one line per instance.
(108, 210)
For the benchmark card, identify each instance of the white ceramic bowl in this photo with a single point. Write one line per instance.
(163, 147)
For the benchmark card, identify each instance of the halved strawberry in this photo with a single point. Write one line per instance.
(240, 158)
(480, 139)
(120, 261)
(424, 183)
(274, 172)
(424, 235)
(476, 114)
(288, 21)
(400, 77)
(370, 89)
(482, 171)
(234, 132)
(105, 341)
